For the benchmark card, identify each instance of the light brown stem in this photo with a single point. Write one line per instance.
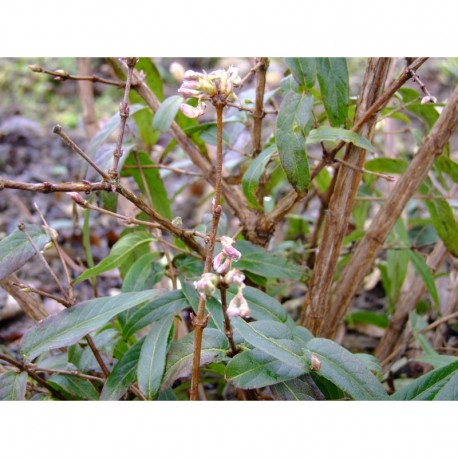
(258, 113)
(368, 247)
(316, 304)
(86, 93)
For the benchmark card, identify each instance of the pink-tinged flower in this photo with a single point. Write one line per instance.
(193, 112)
(76, 198)
(221, 264)
(206, 286)
(234, 276)
(428, 99)
(315, 363)
(238, 306)
(229, 250)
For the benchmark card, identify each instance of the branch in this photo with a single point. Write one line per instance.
(86, 93)
(368, 247)
(316, 304)
(258, 113)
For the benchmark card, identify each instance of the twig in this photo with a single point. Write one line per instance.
(98, 356)
(252, 71)
(123, 114)
(200, 321)
(27, 288)
(258, 113)
(438, 322)
(47, 187)
(37, 378)
(227, 321)
(59, 131)
(62, 75)
(363, 170)
(64, 372)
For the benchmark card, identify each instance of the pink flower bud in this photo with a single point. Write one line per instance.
(193, 76)
(234, 276)
(188, 92)
(206, 286)
(191, 112)
(238, 306)
(76, 198)
(428, 99)
(315, 363)
(232, 309)
(221, 264)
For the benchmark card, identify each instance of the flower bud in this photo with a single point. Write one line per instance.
(192, 112)
(76, 198)
(35, 68)
(234, 276)
(238, 306)
(315, 363)
(62, 73)
(229, 250)
(428, 99)
(221, 264)
(206, 286)
(177, 71)
(188, 93)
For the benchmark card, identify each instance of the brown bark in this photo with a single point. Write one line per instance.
(86, 93)
(367, 249)
(316, 305)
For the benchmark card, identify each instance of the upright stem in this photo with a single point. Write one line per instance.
(227, 322)
(258, 113)
(200, 321)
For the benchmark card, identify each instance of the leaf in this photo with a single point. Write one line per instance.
(294, 122)
(74, 387)
(301, 335)
(164, 117)
(303, 70)
(334, 85)
(13, 386)
(293, 390)
(16, 250)
(156, 189)
(255, 369)
(119, 254)
(444, 222)
(258, 261)
(124, 373)
(70, 325)
(439, 384)
(368, 317)
(335, 134)
(446, 165)
(286, 351)
(426, 275)
(151, 364)
(168, 303)
(253, 174)
(345, 370)
(386, 165)
(179, 358)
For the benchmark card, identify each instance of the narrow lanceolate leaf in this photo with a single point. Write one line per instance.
(13, 386)
(293, 390)
(345, 370)
(179, 358)
(286, 351)
(440, 384)
(255, 369)
(426, 275)
(74, 387)
(253, 174)
(261, 262)
(335, 134)
(263, 306)
(334, 85)
(151, 364)
(70, 325)
(444, 222)
(303, 70)
(166, 304)
(293, 124)
(166, 114)
(119, 253)
(124, 373)
(16, 250)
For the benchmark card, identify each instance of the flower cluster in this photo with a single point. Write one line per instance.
(222, 263)
(208, 86)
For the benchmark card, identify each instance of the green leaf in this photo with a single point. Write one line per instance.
(293, 390)
(166, 114)
(288, 352)
(255, 369)
(260, 262)
(156, 189)
(16, 250)
(13, 386)
(439, 384)
(367, 317)
(436, 360)
(301, 335)
(263, 306)
(303, 70)
(334, 85)
(151, 364)
(386, 165)
(124, 373)
(426, 275)
(70, 325)
(253, 174)
(179, 358)
(345, 370)
(446, 165)
(294, 122)
(74, 387)
(444, 222)
(335, 134)
(372, 363)
(120, 252)
(168, 303)
(137, 276)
